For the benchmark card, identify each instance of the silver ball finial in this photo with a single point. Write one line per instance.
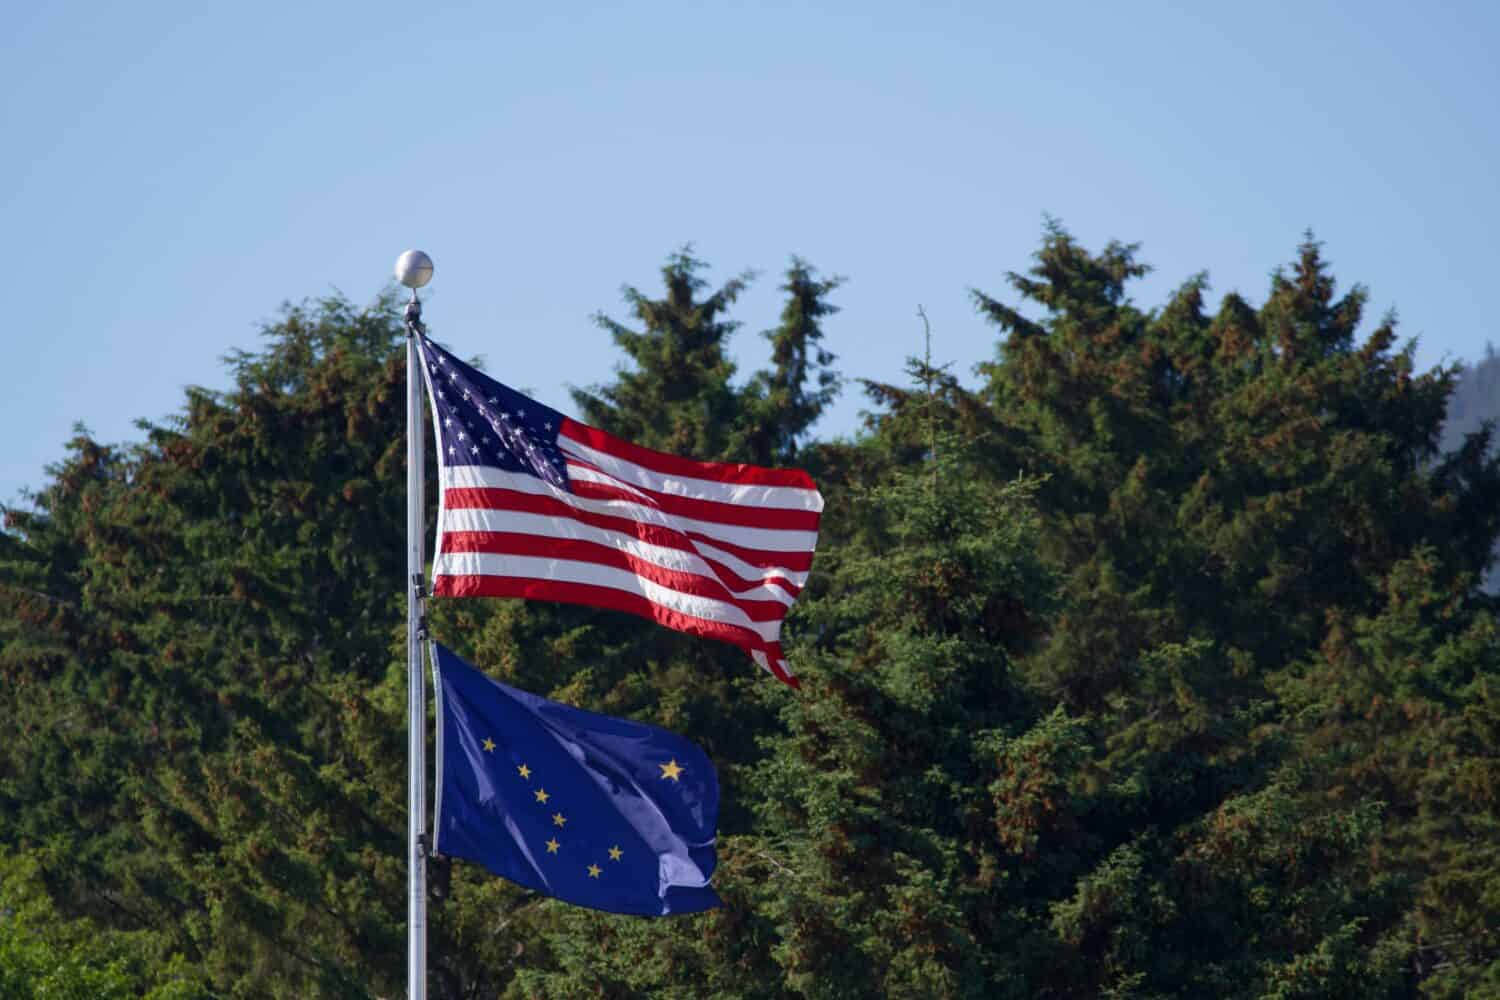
(414, 269)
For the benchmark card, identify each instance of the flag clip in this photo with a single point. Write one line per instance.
(417, 586)
(413, 316)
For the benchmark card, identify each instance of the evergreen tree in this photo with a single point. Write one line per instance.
(677, 398)
(912, 785)
(43, 954)
(1473, 407)
(198, 634)
(1222, 493)
(787, 400)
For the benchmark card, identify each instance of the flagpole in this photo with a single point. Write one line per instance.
(414, 269)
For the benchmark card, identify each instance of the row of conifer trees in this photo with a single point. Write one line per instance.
(1150, 661)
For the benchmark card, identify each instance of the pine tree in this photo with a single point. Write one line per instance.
(1222, 493)
(198, 648)
(677, 398)
(787, 400)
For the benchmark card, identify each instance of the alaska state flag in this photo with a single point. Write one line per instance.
(596, 811)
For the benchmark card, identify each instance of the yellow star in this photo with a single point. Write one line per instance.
(524, 771)
(671, 769)
(541, 795)
(489, 745)
(615, 853)
(594, 871)
(552, 846)
(558, 819)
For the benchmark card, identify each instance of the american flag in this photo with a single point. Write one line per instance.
(539, 506)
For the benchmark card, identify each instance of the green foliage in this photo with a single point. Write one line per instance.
(1227, 495)
(44, 955)
(197, 629)
(677, 394)
(1153, 665)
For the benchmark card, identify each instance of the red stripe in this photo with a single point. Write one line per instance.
(775, 659)
(496, 498)
(512, 544)
(745, 516)
(671, 465)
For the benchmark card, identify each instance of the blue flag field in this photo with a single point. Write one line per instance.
(593, 810)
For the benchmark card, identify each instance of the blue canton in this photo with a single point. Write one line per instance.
(484, 423)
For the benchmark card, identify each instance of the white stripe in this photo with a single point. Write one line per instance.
(570, 571)
(543, 526)
(779, 497)
(579, 473)
(768, 540)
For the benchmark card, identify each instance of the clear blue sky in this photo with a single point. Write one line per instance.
(173, 172)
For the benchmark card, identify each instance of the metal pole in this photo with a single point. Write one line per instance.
(416, 632)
